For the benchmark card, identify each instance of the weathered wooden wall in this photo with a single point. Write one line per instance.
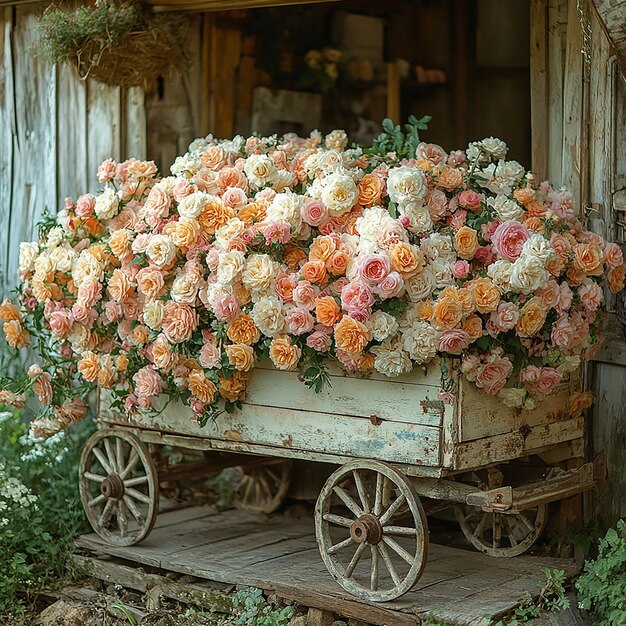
(54, 131)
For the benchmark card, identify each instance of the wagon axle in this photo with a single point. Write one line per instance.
(112, 487)
(367, 529)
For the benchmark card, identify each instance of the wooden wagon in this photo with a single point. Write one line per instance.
(404, 447)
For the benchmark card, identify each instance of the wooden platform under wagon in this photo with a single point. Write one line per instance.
(279, 554)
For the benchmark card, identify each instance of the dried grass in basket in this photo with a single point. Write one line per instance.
(115, 43)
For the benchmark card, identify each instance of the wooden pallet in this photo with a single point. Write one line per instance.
(279, 554)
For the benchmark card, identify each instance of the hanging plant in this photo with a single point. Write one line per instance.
(117, 43)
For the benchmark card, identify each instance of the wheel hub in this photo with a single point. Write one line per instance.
(112, 487)
(367, 528)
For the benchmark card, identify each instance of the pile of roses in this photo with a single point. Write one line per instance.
(301, 250)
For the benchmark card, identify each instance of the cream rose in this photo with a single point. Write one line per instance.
(230, 265)
(339, 193)
(259, 273)
(28, 254)
(268, 315)
(191, 206)
(285, 207)
(153, 314)
(260, 170)
(161, 250)
(107, 204)
(382, 325)
(406, 184)
(185, 288)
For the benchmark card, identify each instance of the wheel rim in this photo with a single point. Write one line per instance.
(262, 489)
(499, 534)
(365, 542)
(118, 486)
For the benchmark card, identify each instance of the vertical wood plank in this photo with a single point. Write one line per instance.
(230, 54)
(135, 123)
(539, 87)
(205, 64)
(393, 92)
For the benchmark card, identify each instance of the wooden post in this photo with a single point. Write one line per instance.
(539, 87)
(393, 92)
(206, 121)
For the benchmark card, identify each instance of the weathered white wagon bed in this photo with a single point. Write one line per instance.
(281, 555)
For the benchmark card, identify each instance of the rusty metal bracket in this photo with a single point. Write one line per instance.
(499, 499)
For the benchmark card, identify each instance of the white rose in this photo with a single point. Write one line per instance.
(420, 286)
(372, 222)
(284, 180)
(233, 228)
(186, 165)
(418, 216)
(185, 288)
(391, 359)
(259, 273)
(43, 266)
(420, 341)
(539, 247)
(107, 204)
(268, 315)
(495, 147)
(230, 265)
(406, 184)
(505, 208)
(285, 207)
(191, 206)
(153, 314)
(55, 237)
(442, 272)
(86, 267)
(439, 247)
(509, 172)
(62, 258)
(79, 337)
(569, 364)
(339, 193)
(382, 325)
(527, 275)
(28, 254)
(161, 250)
(512, 397)
(329, 161)
(260, 170)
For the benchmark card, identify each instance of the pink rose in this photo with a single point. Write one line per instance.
(360, 315)
(493, 375)
(304, 294)
(210, 355)
(85, 206)
(106, 171)
(485, 255)
(392, 286)
(392, 233)
(456, 158)
(373, 268)
(540, 380)
(565, 298)
(563, 204)
(277, 232)
(80, 312)
(179, 321)
(213, 258)
(112, 311)
(458, 219)
(470, 366)
(338, 285)
(487, 230)
(89, 292)
(549, 294)
(460, 269)
(182, 188)
(562, 333)
(61, 322)
(158, 202)
(226, 307)
(469, 199)
(509, 238)
(235, 198)
(313, 212)
(453, 341)
(591, 296)
(299, 320)
(431, 152)
(148, 383)
(503, 318)
(319, 341)
(357, 295)
(265, 195)
(613, 255)
(437, 203)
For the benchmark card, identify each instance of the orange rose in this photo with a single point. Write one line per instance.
(293, 256)
(185, 232)
(106, 375)
(119, 242)
(253, 212)
(161, 354)
(450, 178)
(615, 278)
(534, 224)
(351, 335)
(466, 298)
(89, 366)
(93, 225)
(240, 356)
(139, 335)
(314, 271)
(338, 263)
(121, 363)
(579, 401)
(447, 313)
(327, 311)
(425, 309)
(322, 248)
(524, 196)
(234, 388)
(214, 214)
(243, 330)
(486, 295)
(8, 312)
(466, 242)
(536, 209)
(532, 318)
(588, 259)
(16, 335)
(371, 189)
(365, 363)
(473, 326)
(201, 387)
(283, 353)
(285, 284)
(406, 259)
(41, 290)
(575, 277)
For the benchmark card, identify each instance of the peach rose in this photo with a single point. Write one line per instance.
(579, 401)
(160, 353)
(150, 282)
(406, 259)
(613, 255)
(371, 189)
(486, 295)
(283, 353)
(304, 294)
(185, 232)
(532, 318)
(119, 286)
(214, 157)
(352, 336)
(234, 388)
(253, 212)
(588, 259)
(201, 387)
(243, 330)
(121, 363)
(210, 355)
(466, 242)
(214, 215)
(322, 248)
(450, 178)
(61, 322)
(615, 278)
(447, 313)
(524, 196)
(338, 263)
(315, 271)
(473, 326)
(89, 366)
(240, 356)
(327, 311)
(16, 335)
(453, 341)
(179, 321)
(293, 257)
(9, 312)
(119, 242)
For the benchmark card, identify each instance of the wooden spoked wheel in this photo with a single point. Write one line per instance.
(262, 488)
(500, 534)
(118, 486)
(374, 546)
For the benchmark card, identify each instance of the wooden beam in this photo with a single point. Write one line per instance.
(224, 5)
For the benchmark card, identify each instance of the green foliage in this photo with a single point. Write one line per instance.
(393, 139)
(254, 610)
(40, 510)
(602, 586)
(551, 599)
(315, 371)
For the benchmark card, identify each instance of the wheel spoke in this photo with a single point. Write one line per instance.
(105, 516)
(355, 559)
(360, 487)
(399, 550)
(339, 546)
(119, 453)
(393, 509)
(348, 501)
(497, 531)
(526, 522)
(96, 478)
(133, 493)
(389, 563)
(400, 530)
(378, 499)
(374, 574)
(139, 480)
(338, 520)
(510, 530)
(122, 520)
(265, 487)
(98, 454)
(136, 513)
(132, 461)
(273, 475)
(480, 529)
(97, 500)
(111, 455)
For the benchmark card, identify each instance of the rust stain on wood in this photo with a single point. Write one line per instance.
(376, 421)
(233, 435)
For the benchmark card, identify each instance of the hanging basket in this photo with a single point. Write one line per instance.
(117, 44)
